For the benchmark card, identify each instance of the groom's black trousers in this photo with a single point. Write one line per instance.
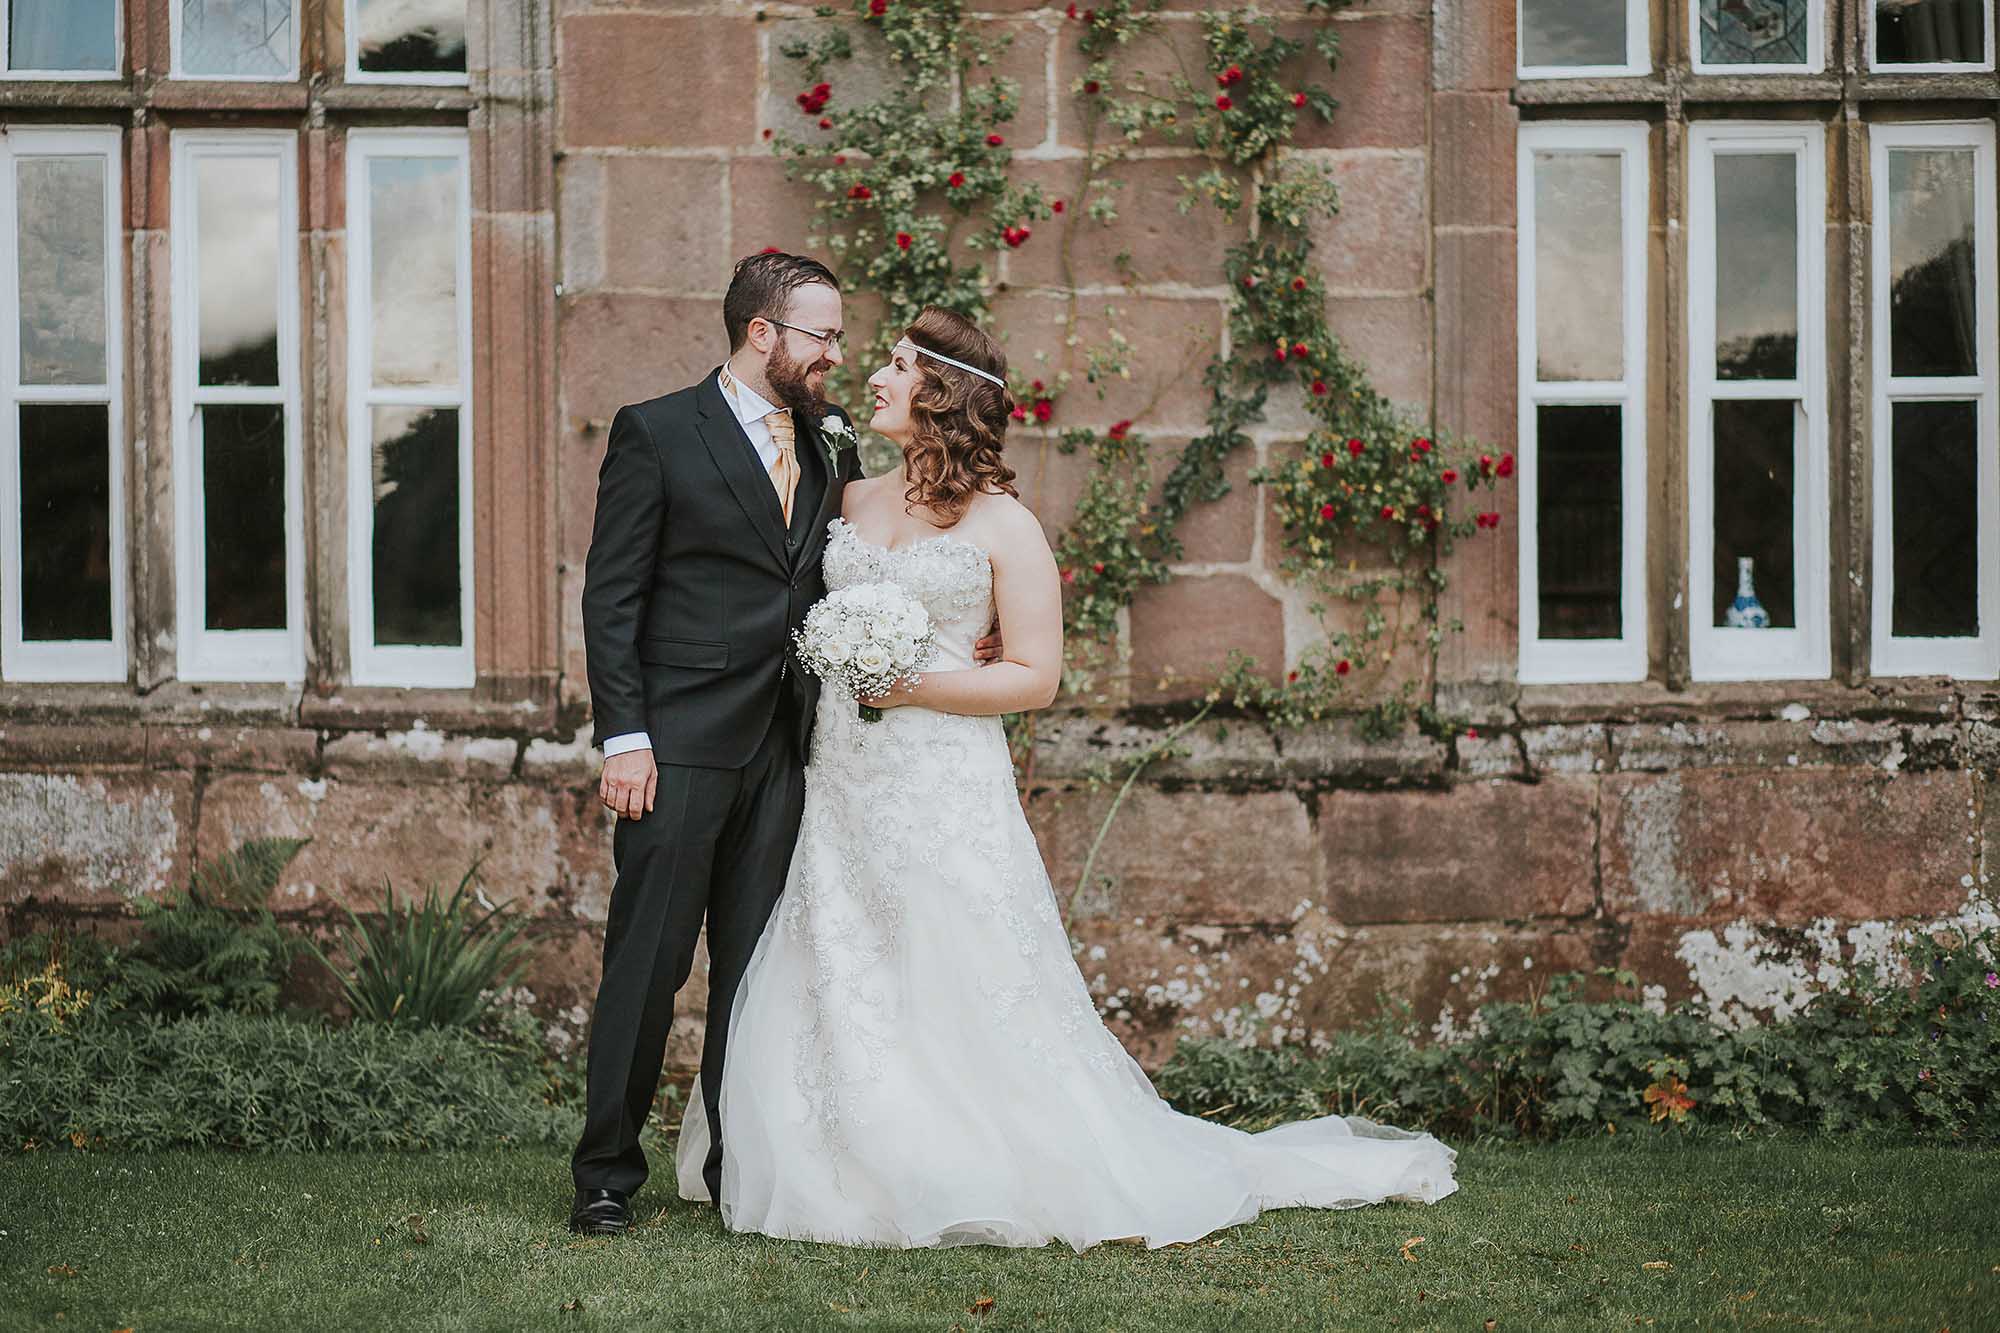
(715, 847)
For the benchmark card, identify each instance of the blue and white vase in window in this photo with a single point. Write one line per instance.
(1746, 612)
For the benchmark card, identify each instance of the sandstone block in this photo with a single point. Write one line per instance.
(657, 80)
(1159, 243)
(1487, 850)
(1183, 632)
(622, 348)
(1180, 857)
(1378, 243)
(1382, 82)
(94, 838)
(1786, 846)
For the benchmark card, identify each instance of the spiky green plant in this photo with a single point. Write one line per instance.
(429, 964)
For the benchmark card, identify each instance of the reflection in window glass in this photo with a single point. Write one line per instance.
(1579, 524)
(1933, 307)
(62, 35)
(410, 36)
(60, 203)
(1755, 32)
(1573, 32)
(1934, 479)
(1756, 266)
(416, 558)
(1579, 267)
(237, 38)
(65, 521)
(243, 506)
(237, 225)
(1930, 32)
(413, 216)
(1754, 453)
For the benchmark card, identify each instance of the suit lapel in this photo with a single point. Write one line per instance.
(736, 458)
(829, 496)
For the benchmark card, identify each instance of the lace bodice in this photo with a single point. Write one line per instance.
(952, 578)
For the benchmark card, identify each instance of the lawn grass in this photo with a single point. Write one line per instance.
(1663, 1232)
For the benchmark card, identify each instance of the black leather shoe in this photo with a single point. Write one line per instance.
(600, 1213)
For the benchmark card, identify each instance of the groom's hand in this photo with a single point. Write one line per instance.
(628, 783)
(989, 649)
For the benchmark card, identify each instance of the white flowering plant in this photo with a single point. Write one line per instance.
(865, 640)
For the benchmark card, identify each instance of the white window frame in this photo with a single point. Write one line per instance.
(1638, 52)
(401, 664)
(1562, 661)
(234, 655)
(291, 74)
(1805, 651)
(85, 659)
(1814, 63)
(7, 71)
(355, 74)
(1968, 658)
(1928, 67)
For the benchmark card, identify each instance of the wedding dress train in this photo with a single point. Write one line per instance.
(914, 1058)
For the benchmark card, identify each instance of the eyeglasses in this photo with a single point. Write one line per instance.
(834, 337)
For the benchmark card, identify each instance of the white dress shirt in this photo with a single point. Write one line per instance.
(751, 409)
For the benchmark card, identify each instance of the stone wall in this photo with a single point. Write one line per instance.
(1289, 876)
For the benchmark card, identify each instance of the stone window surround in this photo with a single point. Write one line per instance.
(506, 108)
(1845, 98)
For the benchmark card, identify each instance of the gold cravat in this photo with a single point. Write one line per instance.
(785, 469)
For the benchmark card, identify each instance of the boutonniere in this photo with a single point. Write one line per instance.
(838, 435)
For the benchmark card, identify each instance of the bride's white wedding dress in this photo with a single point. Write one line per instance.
(914, 1058)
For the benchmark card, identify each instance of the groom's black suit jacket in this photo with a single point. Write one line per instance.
(694, 583)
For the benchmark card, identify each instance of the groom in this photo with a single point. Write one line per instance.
(712, 512)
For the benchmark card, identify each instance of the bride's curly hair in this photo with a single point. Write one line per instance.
(959, 419)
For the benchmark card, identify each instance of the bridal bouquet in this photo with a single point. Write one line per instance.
(866, 639)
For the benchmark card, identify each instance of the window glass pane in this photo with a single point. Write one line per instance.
(410, 36)
(243, 504)
(1754, 32)
(65, 521)
(416, 557)
(1756, 266)
(1927, 32)
(236, 229)
(1573, 32)
(1933, 329)
(62, 34)
(1579, 532)
(1579, 267)
(237, 38)
(1753, 513)
(1934, 473)
(61, 207)
(414, 236)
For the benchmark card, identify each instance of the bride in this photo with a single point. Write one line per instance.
(914, 1058)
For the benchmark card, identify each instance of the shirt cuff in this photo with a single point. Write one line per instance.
(631, 740)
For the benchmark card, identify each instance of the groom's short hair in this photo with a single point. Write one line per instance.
(763, 285)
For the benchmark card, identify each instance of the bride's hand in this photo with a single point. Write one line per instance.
(899, 694)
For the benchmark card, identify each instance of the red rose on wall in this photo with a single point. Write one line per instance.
(1298, 99)
(878, 8)
(860, 192)
(1342, 667)
(1355, 447)
(1118, 429)
(994, 141)
(1448, 476)
(1319, 388)
(957, 179)
(902, 240)
(1326, 511)
(1044, 409)
(1222, 103)
(1506, 468)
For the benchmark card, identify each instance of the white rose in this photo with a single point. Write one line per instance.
(836, 652)
(915, 622)
(846, 631)
(882, 628)
(872, 659)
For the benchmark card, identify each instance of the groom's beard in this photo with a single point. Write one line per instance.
(787, 378)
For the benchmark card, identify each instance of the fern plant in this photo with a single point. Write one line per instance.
(215, 947)
(429, 964)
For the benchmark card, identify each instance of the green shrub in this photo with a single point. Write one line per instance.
(264, 1083)
(1875, 1055)
(431, 964)
(215, 948)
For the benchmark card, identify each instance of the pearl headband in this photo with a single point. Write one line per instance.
(940, 356)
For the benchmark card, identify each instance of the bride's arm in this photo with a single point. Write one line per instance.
(1027, 598)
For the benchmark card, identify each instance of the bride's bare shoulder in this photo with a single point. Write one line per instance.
(1002, 523)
